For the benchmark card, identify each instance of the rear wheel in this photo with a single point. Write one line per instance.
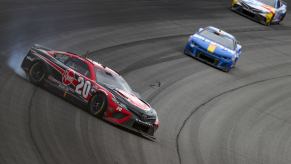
(282, 18)
(37, 73)
(234, 63)
(98, 104)
(151, 131)
(186, 51)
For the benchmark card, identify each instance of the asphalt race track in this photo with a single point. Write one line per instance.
(207, 116)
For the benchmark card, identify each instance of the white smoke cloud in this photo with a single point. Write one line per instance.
(15, 60)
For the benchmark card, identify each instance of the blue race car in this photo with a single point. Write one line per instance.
(264, 11)
(215, 47)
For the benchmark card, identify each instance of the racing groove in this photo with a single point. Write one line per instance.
(207, 116)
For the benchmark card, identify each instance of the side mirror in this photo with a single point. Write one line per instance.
(200, 29)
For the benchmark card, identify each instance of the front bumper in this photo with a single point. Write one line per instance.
(209, 58)
(129, 120)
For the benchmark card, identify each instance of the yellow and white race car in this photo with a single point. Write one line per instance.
(266, 12)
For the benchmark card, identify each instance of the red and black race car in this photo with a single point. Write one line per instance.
(105, 93)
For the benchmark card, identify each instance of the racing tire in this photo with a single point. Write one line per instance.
(234, 64)
(37, 73)
(186, 52)
(226, 70)
(151, 132)
(282, 19)
(98, 104)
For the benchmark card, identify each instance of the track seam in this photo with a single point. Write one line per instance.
(210, 100)
(250, 29)
(127, 44)
(30, 127)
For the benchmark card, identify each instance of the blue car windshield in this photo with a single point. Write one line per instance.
(218, 38)
(111, 80)
(268, 2)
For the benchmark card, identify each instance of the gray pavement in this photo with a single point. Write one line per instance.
(207, 116)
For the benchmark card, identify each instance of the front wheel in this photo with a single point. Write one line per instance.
(234, 63)
(98, 104)
(226, 69)
(37, 73)
(282, 18)
(186, 51)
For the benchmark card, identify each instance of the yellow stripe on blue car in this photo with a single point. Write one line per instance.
(211, 48)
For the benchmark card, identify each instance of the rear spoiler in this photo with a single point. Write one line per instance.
(37, 46)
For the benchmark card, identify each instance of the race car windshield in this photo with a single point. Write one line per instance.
(268, 2)
(218, 38)
(112, 80)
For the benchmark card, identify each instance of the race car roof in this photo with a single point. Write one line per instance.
(221, 32)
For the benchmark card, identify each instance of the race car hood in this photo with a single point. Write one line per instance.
(258, 6)
(132, 102)
(205, 44)
(133, 99)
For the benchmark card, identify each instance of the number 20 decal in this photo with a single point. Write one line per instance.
(83, 87)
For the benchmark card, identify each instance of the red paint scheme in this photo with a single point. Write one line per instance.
(134, 100)
(70, 78)
(112, 106)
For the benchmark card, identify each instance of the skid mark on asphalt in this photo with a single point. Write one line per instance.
(38, 151)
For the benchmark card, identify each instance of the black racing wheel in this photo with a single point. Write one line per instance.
(98, 104)
(37, 73)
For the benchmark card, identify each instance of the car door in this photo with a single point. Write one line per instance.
(57, 70)
(80, 85)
